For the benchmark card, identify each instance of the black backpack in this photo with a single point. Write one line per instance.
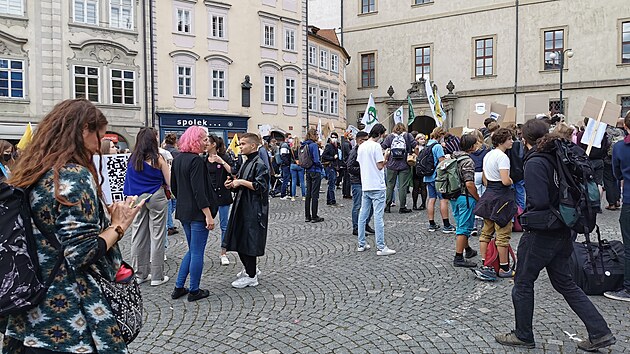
(304, 156)
(579, 194)
(425, 164)
(21, 283)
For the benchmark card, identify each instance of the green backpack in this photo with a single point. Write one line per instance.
(448, 181)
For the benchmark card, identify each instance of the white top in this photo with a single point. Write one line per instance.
(494, 161)
(368, 155)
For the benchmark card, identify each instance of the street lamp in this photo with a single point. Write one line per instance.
(561, 55)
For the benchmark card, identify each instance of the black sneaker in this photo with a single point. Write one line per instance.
(404, 211)
(388, 209)
(470, 254)
(510, 339)
(621, 295)
(474, 232)
(198, 295)
(178, 292)
(594, 345)
(317, 219)
(355, 232)
(461, 262)
(369, 230)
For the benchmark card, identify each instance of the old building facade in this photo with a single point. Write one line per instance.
(486, 50)
(51, 50)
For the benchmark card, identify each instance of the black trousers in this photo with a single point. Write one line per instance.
(249, 262)
(419, 188)
(345, 185)
(611, 185)
(313, 182)
(535, 252)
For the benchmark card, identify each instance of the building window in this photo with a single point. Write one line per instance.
(323, 100)
(368, 71)
(183, 21)
(484, 54)
(218, 83)
(334, 102)
(368, 6)
(323, 59)
(312, 98)
(86, 83)
(554, 42)
(270, 89)
(218, 26)
(334, 63)
(289, 39)
(11, 78)
(625, 105)
(12, 7)
(554, 106)
(123, 83)
(423, 63)
(86, 11)
(420, 2)
(184, 80)
(270, 36)
(312, 55)
(121, 14)
(289, 96)
(625, 42)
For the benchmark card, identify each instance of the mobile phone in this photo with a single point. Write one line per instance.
(141, 198)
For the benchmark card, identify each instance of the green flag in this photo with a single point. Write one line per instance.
(412, 116)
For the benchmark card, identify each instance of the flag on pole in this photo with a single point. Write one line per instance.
(370, 118)
(319, 129)
(412, 115)
(398, 115)
(431, 98)
(234, 146)
(438, 106)
(26, 138)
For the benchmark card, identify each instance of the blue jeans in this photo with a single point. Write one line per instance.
(196, 237)
(463, 212)
(224, 216)
(331, 175)
(297, 173)
(624, 222)
(538, 251)
(172, 204)
(519, 190)
(286, 177)
(376, 200)
(356, 206)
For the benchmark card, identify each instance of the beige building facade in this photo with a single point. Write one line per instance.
(327, 87)
(485, 50)
(230, 66)
(52, 50)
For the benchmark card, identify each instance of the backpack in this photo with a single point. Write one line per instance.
(615, 135)
(399, 147)
(305, 160)
(579, 194)
(448, 181)
(21, 283)
(425, 166)
(492, 257)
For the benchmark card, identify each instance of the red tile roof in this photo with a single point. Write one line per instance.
(330, 35)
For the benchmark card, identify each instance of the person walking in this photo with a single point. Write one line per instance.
(313, 179)
(372, 162)
(196, 209)
(170, 145)
(148, 172)
(547, 246)
(297, 171)
(247, 228)
(401, 144)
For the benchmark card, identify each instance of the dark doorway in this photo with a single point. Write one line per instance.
(423, 124)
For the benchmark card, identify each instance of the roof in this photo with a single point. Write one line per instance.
(329, 36)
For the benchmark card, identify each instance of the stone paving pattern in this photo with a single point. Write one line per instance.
(317, 294)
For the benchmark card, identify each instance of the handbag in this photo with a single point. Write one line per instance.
(125, 302)
(411, 159)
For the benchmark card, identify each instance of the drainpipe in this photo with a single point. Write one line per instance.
(516, 56)
(152, 69)
(307, 70)
(341, 24)
(146, 62)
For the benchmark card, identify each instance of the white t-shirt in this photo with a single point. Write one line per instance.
(368, 155)
(494, 161)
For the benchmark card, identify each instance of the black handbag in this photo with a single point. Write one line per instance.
(125, 301)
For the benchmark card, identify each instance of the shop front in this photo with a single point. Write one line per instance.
(224, 126)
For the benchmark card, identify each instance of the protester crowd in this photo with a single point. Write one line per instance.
(490, 180)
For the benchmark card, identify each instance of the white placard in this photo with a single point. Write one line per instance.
(590, 130)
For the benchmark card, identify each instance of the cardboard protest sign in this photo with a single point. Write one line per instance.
(510, 116)
(594, 133)
(498, 111)
(264, 129)
(457, 131)
(479, 111)
(593, 105)
(536, 104)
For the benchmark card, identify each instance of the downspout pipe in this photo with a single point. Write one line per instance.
(516, 56)
(152, 69)
(306, 61)
(146, 63)
(341, 24)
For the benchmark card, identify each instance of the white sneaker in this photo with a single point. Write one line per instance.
(224, 260)
(385, 252)
(244, 282)
(243, 273)
(364, 248)
(286, 197)
(140, 281)
(165, 259)
(292, 199)
(159, 282)
(303, 199)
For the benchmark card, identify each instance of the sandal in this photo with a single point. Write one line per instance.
(611, 207)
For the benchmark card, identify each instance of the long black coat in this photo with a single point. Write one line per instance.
(249, 217)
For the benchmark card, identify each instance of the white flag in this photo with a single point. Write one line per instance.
(431, 98)
(319, 129)
(398, 115)
(370, 118)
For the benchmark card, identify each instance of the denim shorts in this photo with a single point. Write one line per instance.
(433, 193)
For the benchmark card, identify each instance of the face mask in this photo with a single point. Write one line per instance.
(334, 140)
(290, 141)
(6, 157)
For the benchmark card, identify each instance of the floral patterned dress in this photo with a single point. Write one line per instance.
(74, 316)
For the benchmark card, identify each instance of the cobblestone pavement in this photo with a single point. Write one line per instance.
(318, 295)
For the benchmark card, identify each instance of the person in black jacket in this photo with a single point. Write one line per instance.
(330, 160)
(354, 173)
(195, 209)
(547, 246)
(344, 177)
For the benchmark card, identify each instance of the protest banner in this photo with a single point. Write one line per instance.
(479, 111)
(457, 131)
(611, 112)
(497, 111)
(594, 132)
(536, 104)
